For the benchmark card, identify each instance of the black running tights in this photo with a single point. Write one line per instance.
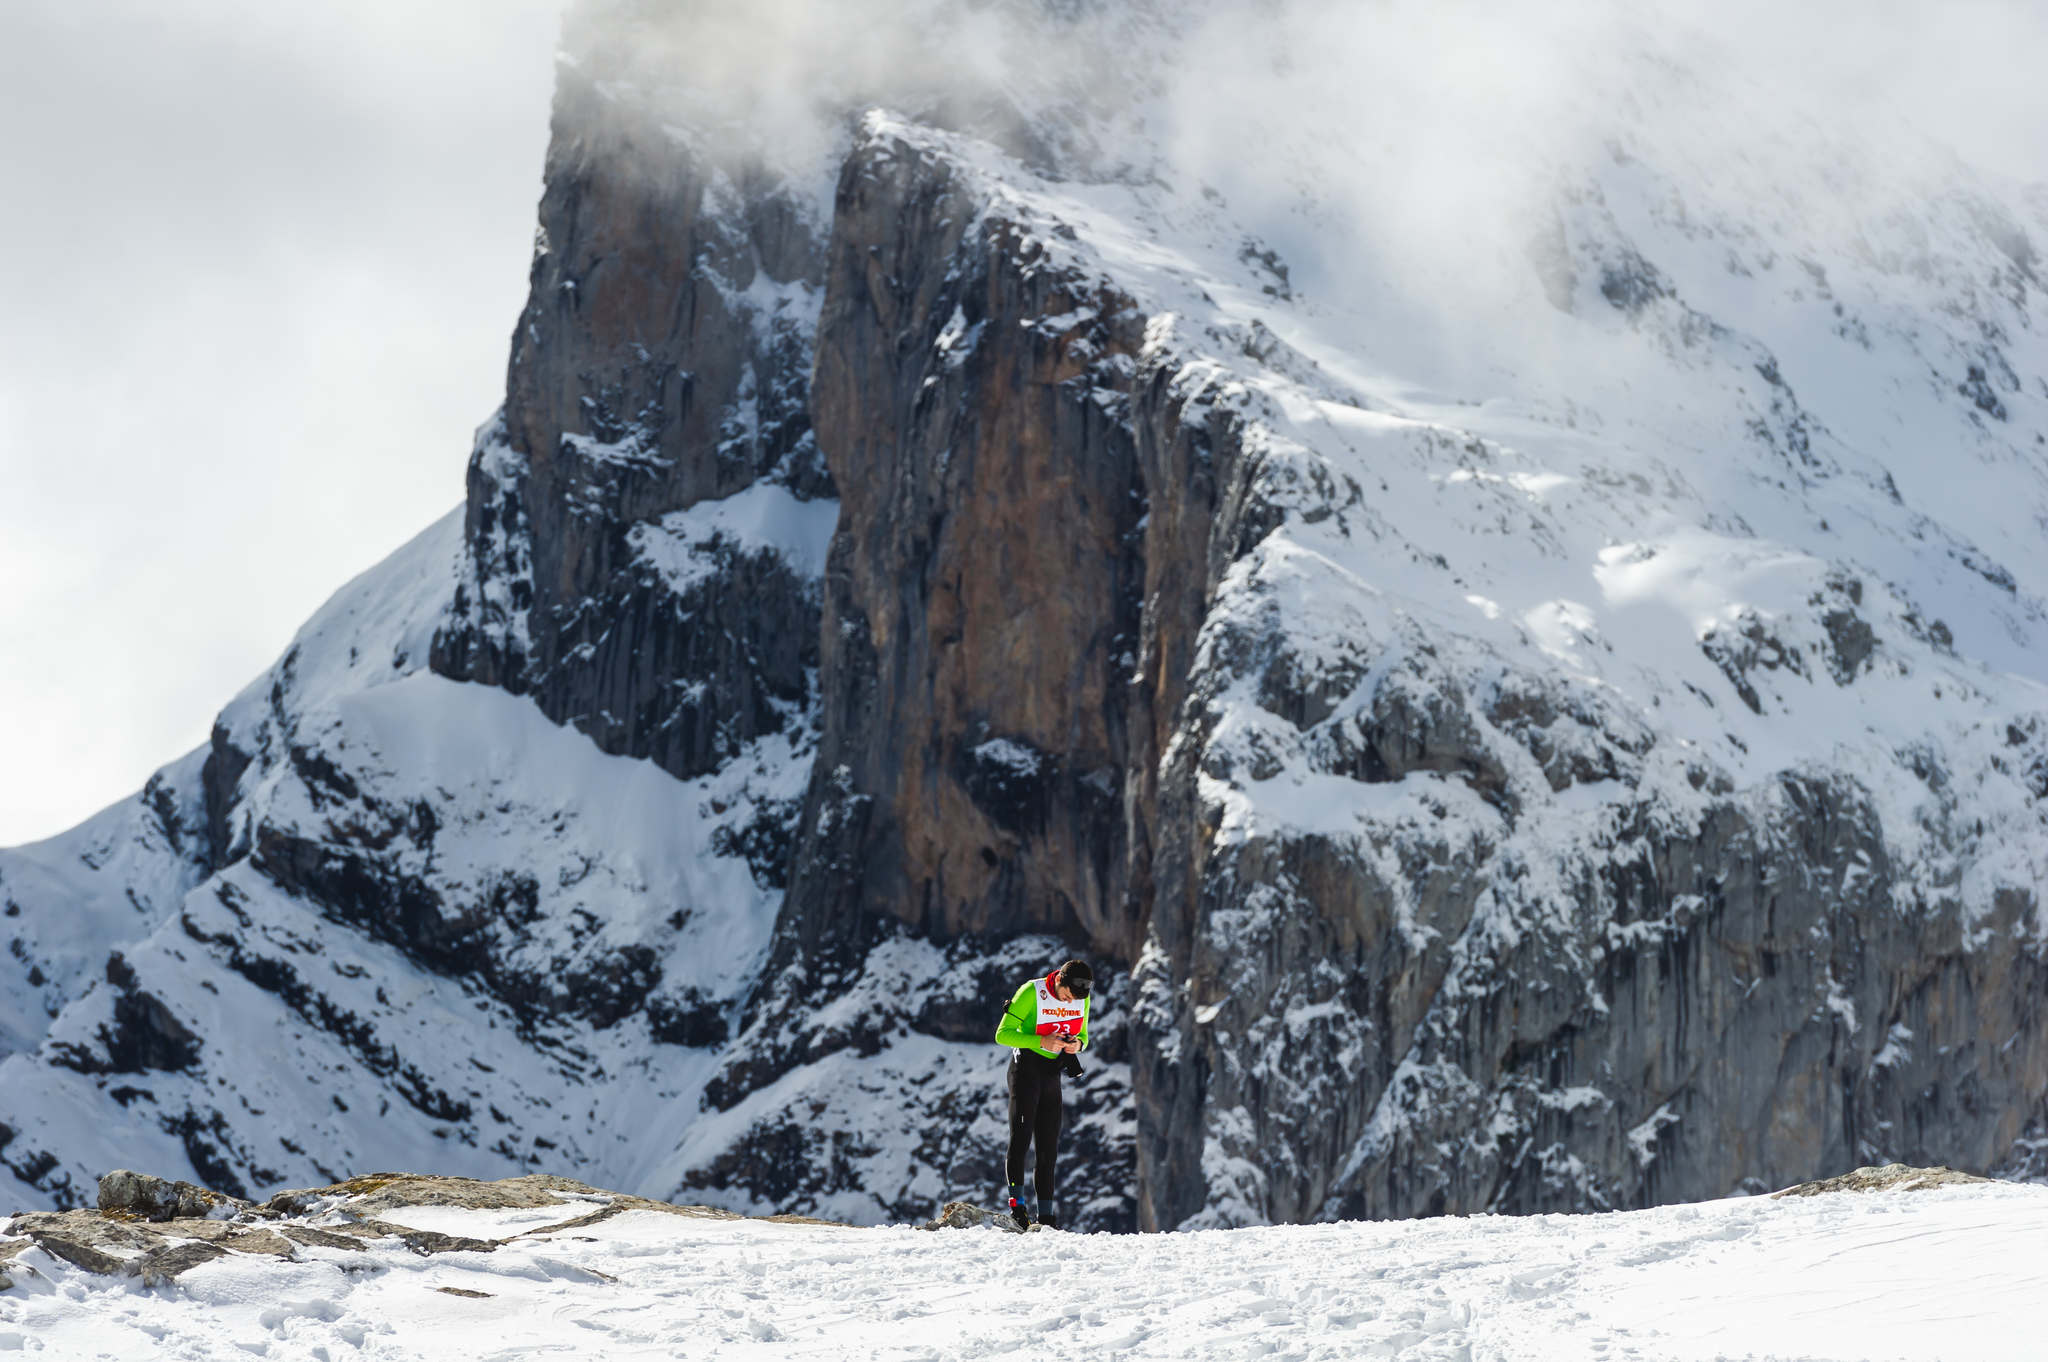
(1035, 1111)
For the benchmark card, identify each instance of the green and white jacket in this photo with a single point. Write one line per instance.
(1037, 1013)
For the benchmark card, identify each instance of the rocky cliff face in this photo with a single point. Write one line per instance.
(1379, 1017)
(1623, 780)
(662, 362)
(983, 603)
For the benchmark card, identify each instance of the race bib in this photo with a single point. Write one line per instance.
(1056, 1018)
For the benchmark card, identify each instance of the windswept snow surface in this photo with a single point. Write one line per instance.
(1940, 1274)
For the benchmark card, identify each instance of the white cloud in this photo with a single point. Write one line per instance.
(263, 263)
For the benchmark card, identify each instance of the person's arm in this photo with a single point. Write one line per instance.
(1087, 1006)
(1019, 1028)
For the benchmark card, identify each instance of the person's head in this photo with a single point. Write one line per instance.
(1075, 978)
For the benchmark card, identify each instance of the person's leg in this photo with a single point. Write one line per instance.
(1046, 1131)
(1023, 1116)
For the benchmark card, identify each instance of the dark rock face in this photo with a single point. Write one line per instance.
(663, 361)
(984, 585)
(1195, 450)
(1020, 665)
(140, 1033)
(1738, 1026)
(223, 771)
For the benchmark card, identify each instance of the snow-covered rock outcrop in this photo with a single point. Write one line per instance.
(1524, 729)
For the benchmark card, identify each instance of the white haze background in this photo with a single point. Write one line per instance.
(266, 258)
(262, 264)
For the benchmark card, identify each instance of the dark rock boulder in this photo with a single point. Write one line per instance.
(161, 1266)
(1892, 1177)
(962, 1215)
(77, 1252)
(143, 1197)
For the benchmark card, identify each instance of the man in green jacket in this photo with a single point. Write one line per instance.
(1046, 1024)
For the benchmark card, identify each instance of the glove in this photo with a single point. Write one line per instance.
(1070, 1065)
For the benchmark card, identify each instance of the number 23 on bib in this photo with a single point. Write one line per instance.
(1056, 1018)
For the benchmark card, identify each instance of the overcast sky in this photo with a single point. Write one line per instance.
(262, 263)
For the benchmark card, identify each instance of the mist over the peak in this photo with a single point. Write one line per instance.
(1476, 77)
(1399, 155)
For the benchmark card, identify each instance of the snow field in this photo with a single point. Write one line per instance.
(1945, 1273)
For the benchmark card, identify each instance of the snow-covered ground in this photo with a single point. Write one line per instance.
(1948, 1273)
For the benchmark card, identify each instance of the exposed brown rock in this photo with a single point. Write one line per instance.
(207, 1231)
(982, 601)
(156, 1251)
(386, 1191)
(165, 1264)
(1890, 1177)
(263, 1241)
(366, 1196)
(156, 1199)
(85, 1227)
(79, 1253)
(319, 1238)
(9, 1250)
(425, 1242)
(798, 1220)
(965, 1215)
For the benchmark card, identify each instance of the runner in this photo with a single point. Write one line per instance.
(1046, 1023)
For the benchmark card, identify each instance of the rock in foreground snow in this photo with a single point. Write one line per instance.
(965, 1215)
(1892, 1177)
(400, 1267)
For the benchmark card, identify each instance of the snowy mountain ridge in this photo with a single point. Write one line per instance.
(1518, 701)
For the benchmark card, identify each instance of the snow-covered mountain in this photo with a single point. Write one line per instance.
(1529, 675)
